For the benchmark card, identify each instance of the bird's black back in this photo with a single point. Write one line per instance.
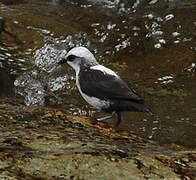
(96, 83)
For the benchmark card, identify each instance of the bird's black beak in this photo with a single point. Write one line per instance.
(62, 61)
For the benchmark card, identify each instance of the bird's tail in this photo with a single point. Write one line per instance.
(141, 108)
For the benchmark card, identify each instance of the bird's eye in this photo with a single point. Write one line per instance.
(71, 58)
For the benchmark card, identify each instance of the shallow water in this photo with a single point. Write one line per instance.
(151, 44)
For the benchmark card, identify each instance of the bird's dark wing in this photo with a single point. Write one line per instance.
(106, 86)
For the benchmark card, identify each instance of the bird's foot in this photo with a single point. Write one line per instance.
(104, 118)
(96, 120)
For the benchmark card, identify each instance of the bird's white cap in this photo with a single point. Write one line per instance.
(87, 58)
(83, 53)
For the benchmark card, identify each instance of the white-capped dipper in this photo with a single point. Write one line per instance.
(101, 87)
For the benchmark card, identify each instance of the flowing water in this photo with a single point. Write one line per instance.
(150, 43)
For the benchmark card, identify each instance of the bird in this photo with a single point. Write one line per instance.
(101, 87)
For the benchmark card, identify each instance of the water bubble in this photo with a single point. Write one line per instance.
(162, 41)
(175, 34)
(111, 26)
(177, 41)
(153, 1)
(158, 45)
(166, 79)
(169, 17)
(123, 45)
(149, 16)
(191, 68)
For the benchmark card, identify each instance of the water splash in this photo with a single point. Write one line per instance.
(38, 83)
(46, 58)
(58, 83)
(35, 85)
(191, 68)
(30, 87)
(166, 79)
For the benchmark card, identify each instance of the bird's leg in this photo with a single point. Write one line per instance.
(91, 114)
(105, 118)
(119, 118)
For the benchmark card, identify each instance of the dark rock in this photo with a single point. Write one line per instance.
(2, 24)
(6, 82)
(12, 2)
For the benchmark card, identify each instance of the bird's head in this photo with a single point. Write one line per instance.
(77, 57)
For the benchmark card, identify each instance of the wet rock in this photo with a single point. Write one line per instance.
(6, 82)
(44, 143)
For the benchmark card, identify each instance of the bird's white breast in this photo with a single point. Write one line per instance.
(95, 102)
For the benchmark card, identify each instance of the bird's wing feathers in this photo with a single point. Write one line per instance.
(105, 86)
